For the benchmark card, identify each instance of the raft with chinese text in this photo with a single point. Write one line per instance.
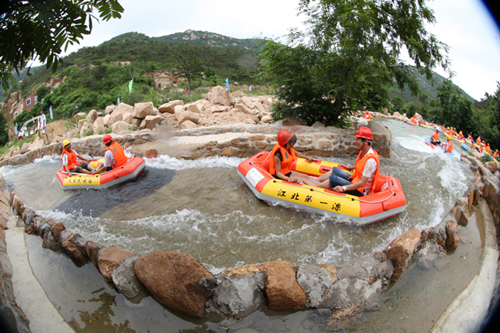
(129, 171)
(387, 200)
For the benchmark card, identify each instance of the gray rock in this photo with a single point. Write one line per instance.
(30, 214)
(358, 280)
(125, 280)
(238, 295)
(316, 282)
(80, 243)
(49, 242)
(42, 226)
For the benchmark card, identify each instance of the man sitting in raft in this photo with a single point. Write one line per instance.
(366, 169)
(435, 138)
(282, 156)
(70, 164)
(114, 157)
(448, 147)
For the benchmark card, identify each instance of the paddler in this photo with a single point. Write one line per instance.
(435, 138)
(367, 115)
(70, 163)
(366, 169)
(283, 155)
(488, 148)
(448, 147)
(114, 157)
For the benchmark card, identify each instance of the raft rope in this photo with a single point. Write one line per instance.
(314, 189)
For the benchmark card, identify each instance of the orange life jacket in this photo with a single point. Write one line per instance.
(287, 159)
(435, 137)
(359, 166)
(488, 150)
(449, 147)
(71, 158)
(118, 154)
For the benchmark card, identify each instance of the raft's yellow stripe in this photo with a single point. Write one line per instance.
(83, 180)
(316, 199)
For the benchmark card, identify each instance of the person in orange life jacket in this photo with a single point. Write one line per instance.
(435, 138)
(366, 169)
(114, 157)
(367, 115)
(282, 156)
(70, 164)
(448, 147)
(488, 148)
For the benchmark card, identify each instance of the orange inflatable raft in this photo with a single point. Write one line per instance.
(387, 200)
(129, 171)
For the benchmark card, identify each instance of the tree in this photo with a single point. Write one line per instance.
(189, 63)
(352, 46)
(455, 110)
(42, 28)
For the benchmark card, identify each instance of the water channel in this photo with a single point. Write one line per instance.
(204, 209)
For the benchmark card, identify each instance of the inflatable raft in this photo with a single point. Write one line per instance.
(387, 201)
(130, 171)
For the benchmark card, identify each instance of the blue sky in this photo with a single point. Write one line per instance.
(465, 25)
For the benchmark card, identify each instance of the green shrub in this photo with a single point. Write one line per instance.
(486, 158)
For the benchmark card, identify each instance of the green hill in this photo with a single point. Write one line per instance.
(96, 76)
(427, 87)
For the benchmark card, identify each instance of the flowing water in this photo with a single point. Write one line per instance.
(204, 209)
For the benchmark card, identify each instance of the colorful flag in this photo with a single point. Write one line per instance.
(118, 101)
(227, 83)
(250, 88)
(130, 86)
(51, 114)
(15, 129)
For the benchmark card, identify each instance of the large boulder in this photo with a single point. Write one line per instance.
(188, 124)
(78, 116)
(282, 290)
(141, 110)
(246, 105)
(118, 113)
(221, 96)
(152, 121)
(98, 125)
(128, 118)
(120, 126)
(178, 110)
(109, 109)
(189, 115)
(170, 106)
(109, 259)
(491, 166)
(91, 116)
(401, 249)
(176, 280)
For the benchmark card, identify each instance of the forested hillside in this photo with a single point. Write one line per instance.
(97, 76)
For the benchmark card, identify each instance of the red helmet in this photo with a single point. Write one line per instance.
(106, 138)
(284, 136)
(364, 133)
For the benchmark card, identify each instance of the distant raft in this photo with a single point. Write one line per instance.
(387, 200)
(129, 171)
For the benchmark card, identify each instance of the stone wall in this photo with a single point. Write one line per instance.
(12, 318)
